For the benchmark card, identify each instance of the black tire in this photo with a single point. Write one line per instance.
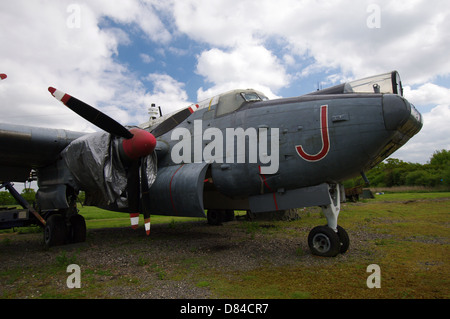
(214, 217)
(55, 231)
(344, 239)
(323, 241)
(229, 215)
(77, 229)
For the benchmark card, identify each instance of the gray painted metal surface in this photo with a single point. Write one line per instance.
(178, 190)
(295, 198)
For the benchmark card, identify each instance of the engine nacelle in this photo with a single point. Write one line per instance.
(178, 190)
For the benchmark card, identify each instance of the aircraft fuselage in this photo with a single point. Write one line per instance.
(321, 139)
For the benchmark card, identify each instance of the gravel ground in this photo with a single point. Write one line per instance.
(124, 263)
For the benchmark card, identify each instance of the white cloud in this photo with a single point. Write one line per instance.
(167, 93)
(39, 50)
(44, 47)
(410, 40)
(140, 14)
(220, 23)
(411, 37)
(246, 66)
(428, 94)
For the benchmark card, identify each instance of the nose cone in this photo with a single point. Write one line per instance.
(400, 115)
(396, 111)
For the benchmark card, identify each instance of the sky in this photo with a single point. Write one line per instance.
(122, 56)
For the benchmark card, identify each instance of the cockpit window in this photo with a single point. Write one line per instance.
(229, 103)
(253, 97)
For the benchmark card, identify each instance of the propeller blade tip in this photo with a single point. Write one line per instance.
(134, 217)
(147, 226)
(60, 96)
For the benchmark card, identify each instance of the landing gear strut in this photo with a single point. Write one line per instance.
(331, 239)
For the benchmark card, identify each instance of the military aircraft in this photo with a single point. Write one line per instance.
(236, 151)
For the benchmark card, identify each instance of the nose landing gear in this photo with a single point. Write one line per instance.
(331, 239)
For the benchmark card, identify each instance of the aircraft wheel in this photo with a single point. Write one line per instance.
(343, 238)
(229, 215)
(78, 229)
(54, 231)
(323, 241)
(214, 217)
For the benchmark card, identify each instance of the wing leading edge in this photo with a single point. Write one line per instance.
(23, 148)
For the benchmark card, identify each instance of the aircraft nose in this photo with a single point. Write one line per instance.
(400, 115)
(395, 111)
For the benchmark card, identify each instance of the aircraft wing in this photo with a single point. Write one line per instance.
(23, 148)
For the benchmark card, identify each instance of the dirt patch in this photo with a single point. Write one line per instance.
(124, 263)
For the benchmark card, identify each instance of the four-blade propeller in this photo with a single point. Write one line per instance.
(135, 146)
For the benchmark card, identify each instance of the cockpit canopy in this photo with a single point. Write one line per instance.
(383, 83)
(389, 83)
(233, 100)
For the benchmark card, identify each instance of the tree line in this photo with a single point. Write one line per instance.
(395, 172)
(6, 199)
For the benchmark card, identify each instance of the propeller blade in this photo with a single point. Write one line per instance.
(142, 144)
(91, 114)
(145, 197)
(136, 145)
(3, 76)
(133, 187)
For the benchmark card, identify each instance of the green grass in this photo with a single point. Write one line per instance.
(406, 234)
(99, 218)
(413, 253)
(411, 196)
